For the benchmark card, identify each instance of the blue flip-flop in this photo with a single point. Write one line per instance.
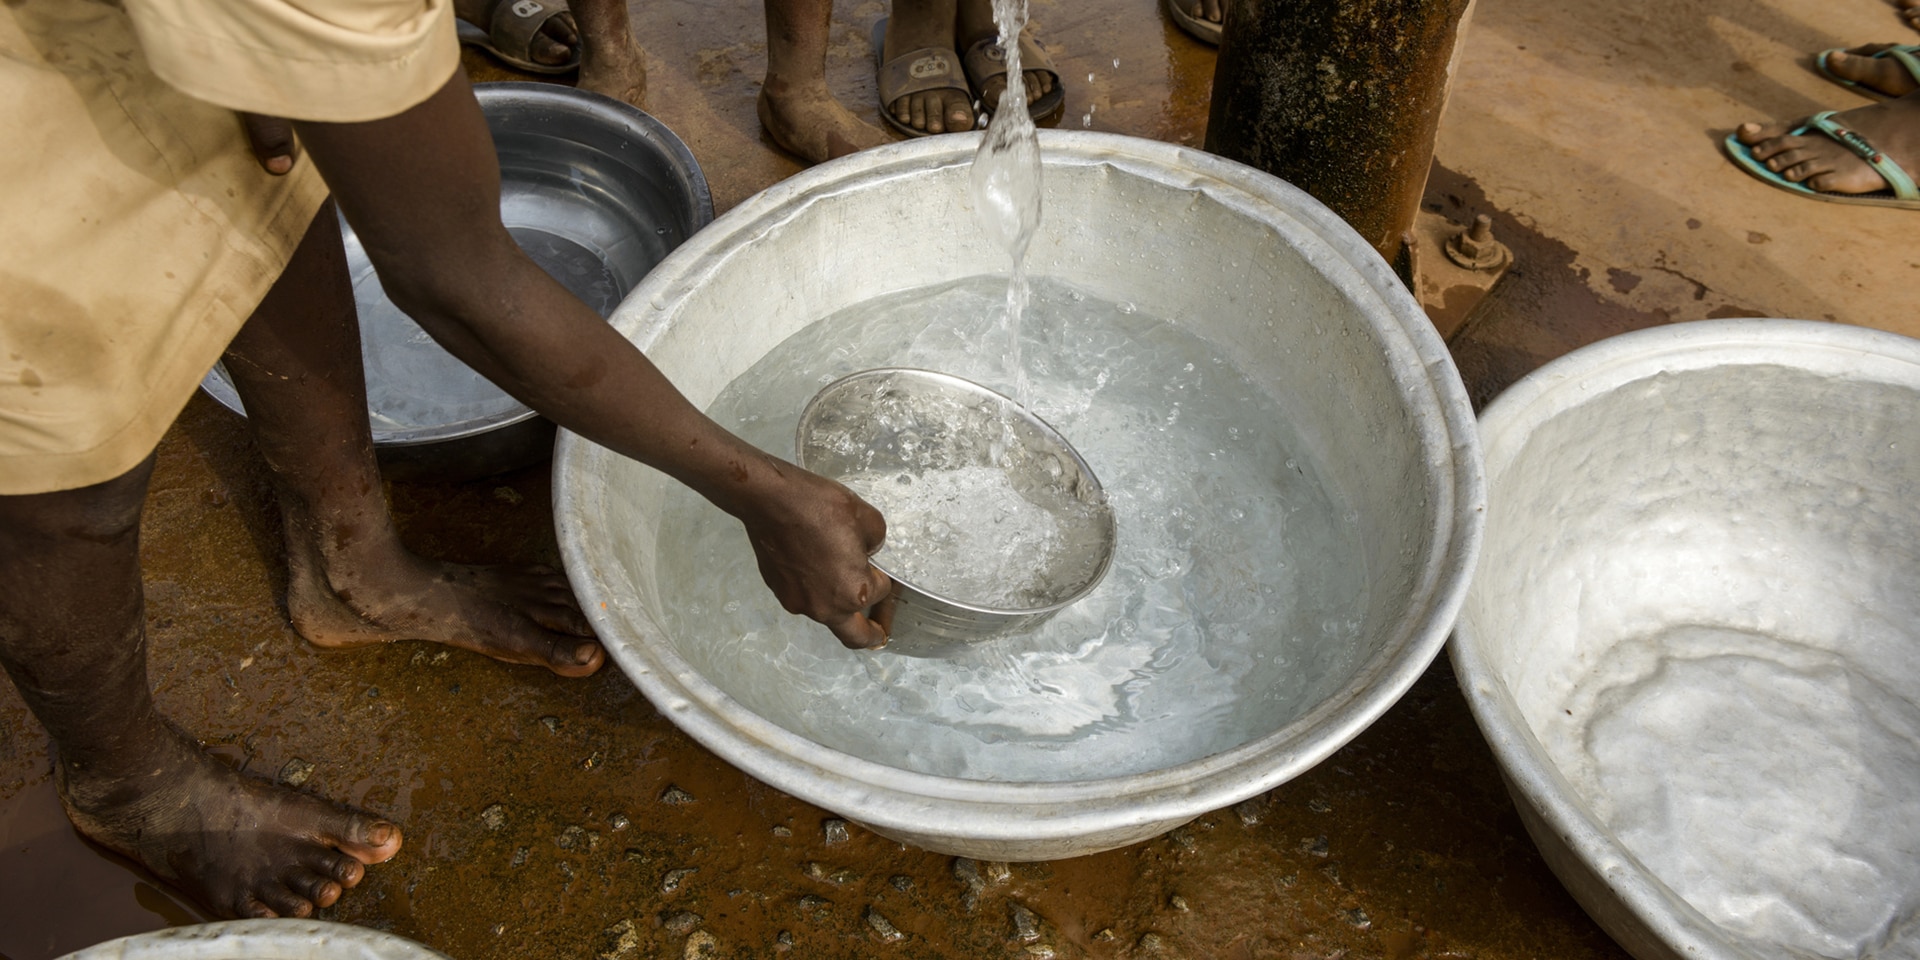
(1905, 54)
(1901, 193)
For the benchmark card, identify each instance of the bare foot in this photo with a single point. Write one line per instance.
(387, 594)
(615, 68)
(552, 46)
(1824, 164)
(610, 60)
(241, 846)
(1882, 75)
(940, 110)
(812, 125)
(1910, 12)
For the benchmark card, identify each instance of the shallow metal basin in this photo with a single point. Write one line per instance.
(1691, 636)
(903, 423)
(596, 192)
(1226, 252)
(279, 939)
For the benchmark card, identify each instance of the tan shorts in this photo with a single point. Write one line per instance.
(137, 232)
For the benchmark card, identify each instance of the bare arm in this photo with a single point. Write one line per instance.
(422, 190)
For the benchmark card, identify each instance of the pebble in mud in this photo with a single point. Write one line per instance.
(783, 831)
(901, 882)
(295, 772)
(1178, 903)
(701, 944)
(675, 797)
(835, 831)
(682, 922)
(551, 723)
(494, 816)
(620, 940)
(618, 822)
(887, 931)
(783, 941)
(1026, 924)
(1249, 811)
(674, 878)
(814, 906)
(570, 838)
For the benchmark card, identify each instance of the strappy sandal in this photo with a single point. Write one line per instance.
(1901, 191)
(987, 60)
(916, 71)
(514, 24)
(1905, 54)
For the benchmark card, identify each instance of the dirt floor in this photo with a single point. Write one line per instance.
(567, 819)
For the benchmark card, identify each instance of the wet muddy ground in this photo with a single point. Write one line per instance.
(548, 818)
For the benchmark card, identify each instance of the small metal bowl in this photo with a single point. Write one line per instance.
(596, 192)
(908, 425)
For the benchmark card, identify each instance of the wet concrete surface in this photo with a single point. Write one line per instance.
(567, 819)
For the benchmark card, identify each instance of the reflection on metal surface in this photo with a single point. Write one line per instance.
(596, 193)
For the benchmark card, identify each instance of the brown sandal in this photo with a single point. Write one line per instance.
(916, 71)
(987, 60)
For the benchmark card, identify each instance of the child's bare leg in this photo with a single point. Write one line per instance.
(796, 108)
(351, 582)
(72, 636)
(610, 58)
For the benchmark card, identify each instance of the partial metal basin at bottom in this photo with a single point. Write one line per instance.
(277, 939)
(892, 433)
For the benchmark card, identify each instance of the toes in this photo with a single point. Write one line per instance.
(546, 50)
(318, 890)
(252, 908)
(570, 657)
(282, 901)
(563, 618)
(338, 867)
(562, 29)
(959, 114)
(1753, 134)
(917, 113)
(366, 839)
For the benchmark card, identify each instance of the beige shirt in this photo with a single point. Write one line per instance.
(137, 232)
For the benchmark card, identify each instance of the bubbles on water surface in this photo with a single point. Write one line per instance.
(1207, 630)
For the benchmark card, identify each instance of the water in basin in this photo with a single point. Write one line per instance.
(1233, 604)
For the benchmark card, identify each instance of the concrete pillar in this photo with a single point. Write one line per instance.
(1341, 98)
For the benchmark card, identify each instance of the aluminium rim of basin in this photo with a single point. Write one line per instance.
(1642, 913)
(1031, 820)
(276, 939)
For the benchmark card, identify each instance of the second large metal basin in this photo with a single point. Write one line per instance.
(1691, 642)
(1307, 311)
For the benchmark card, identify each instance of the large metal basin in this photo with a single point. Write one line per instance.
(1691, 637)
(1222, 250)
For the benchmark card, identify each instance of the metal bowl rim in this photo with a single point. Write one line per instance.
(1567, 383)
(887, 796)
(969, 386)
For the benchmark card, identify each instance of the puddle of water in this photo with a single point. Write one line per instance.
(63, 893)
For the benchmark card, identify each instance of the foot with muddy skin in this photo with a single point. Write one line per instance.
(611, 62)
(808, 122)
(1882, 75)
(362, 597)
(796, 108)
(239, 845)
(1824, 164)
(1201, 19)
